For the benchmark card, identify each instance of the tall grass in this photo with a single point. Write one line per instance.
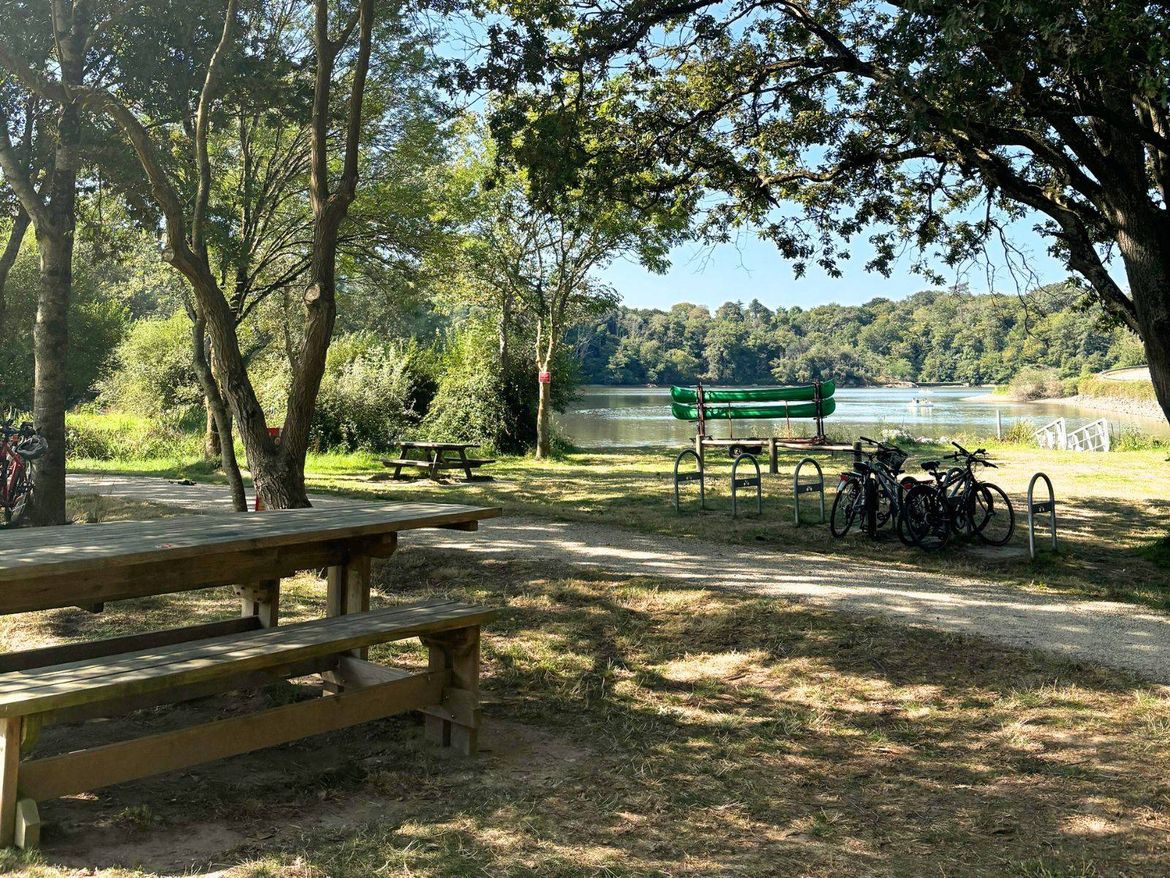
(1140, 391)
(106, 436)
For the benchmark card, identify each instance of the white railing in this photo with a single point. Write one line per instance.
(1093, 436)
(1052, 435)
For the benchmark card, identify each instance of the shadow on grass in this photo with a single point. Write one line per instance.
(640, 726)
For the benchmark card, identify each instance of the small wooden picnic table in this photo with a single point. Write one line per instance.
(86, 566)
(436, 456)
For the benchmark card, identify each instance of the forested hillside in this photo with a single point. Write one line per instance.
(931, 336)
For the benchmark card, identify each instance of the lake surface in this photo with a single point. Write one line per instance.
(624, 417)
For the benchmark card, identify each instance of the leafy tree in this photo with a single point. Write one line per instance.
(534, 261)
(923, 124)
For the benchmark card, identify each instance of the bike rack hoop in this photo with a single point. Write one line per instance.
(798, 488)
(746, 482)
(1034, 509)
(697, 476)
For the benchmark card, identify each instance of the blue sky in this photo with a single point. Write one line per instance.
(753, 269)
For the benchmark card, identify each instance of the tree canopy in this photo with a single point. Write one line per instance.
(921, 126)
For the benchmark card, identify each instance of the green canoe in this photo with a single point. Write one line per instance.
(800, 393)
(801, 410)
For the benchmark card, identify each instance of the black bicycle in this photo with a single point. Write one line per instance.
(959, 498)
(871, 492)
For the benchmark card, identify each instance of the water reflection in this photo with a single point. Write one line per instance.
(606, 417)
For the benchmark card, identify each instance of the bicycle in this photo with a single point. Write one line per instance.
(19, 446)
(971, 507)
(925, 519)
(872, 490)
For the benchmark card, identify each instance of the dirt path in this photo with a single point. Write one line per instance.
(1102, 632)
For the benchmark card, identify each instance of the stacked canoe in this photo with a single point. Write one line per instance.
(802, 401)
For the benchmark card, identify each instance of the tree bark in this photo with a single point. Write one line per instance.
(219, 413)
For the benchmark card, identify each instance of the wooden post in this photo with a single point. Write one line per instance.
(348, 590)
(9, 767)
(261, 599)
(773, 456)
(458, 653)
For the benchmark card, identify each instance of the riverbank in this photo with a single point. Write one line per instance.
(1138, 408)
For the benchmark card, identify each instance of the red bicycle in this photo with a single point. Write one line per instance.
(18, 447)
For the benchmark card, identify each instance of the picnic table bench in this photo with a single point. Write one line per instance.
(86, 566)
(436, 456)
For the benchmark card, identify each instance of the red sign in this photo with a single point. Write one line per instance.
(545, 377)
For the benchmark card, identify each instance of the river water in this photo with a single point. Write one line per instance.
(624, 417)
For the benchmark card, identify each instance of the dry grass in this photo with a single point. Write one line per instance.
(636, 728)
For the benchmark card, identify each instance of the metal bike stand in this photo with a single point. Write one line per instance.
(1035, 509)
(817, 487)
(746, 482)
(689, 477)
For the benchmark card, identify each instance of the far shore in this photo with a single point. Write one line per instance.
(1134, 407)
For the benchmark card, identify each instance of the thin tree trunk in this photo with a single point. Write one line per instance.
(210, 431)
(20, 224)
(219, 412)
(543, 406)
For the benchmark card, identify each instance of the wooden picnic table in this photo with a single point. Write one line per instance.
(435, 457)
(86, 566)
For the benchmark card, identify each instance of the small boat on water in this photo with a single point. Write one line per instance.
(917, 403)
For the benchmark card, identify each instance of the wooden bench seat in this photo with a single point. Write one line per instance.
(479, 461)
(405, 461)
(447, 692)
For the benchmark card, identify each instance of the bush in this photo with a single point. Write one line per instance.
(476, 403)
(1020, 432)
(153, 375)
(1036, 382)
(1133, 439)
(371, 396)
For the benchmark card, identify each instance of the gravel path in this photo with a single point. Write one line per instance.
(1115, 634)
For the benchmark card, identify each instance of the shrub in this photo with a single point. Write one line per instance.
(1036, 382)
(476, 403)
(1020, 432)
(371, 395)
(153, 375)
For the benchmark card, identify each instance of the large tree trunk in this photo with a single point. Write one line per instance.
(51, 333)
(1144, 244)
(219, 413)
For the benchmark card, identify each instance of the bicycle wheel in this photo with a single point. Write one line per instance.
(926, 518)
(992, 514)
(15, 515)
(846, 505)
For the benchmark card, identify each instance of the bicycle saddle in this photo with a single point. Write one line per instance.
(929, 465)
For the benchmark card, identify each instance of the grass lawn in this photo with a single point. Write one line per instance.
(1114, 509)
(636, 728)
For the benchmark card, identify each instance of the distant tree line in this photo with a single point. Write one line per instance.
(931, 336)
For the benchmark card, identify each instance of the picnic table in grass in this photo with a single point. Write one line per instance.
(435, 457)
(87, 566)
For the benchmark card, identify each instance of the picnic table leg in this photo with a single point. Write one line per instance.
(458, 653)
(20, 822)
(436, 462)
(348, 589)
(463, 460)
(261, 599)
